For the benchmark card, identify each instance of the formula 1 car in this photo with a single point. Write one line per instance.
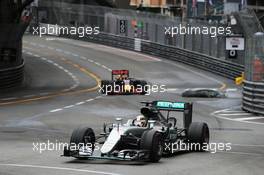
(130, 141)
(122, 84)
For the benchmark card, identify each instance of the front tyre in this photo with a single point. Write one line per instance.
(83, 136)
(151, 140)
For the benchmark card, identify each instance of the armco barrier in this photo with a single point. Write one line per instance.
(253, 97)
(11, 77)
(211, 64)
(208, 63)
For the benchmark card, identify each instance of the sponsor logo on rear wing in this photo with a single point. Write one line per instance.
(169, 106)
(120, 72)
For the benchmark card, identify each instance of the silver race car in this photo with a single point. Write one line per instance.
(145, 138)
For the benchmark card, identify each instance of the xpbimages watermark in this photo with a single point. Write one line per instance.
(196, 30)
(115, 88)
(57, 30)
(187, 146)
(41, 147)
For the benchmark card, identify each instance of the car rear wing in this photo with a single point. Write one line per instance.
(184, 107)
(120, 72)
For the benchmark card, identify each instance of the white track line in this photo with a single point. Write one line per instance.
(58, 168)
(56, 110)
(70, 106)
(242, 120)
(89, 100)
(80, 103)
(73, 54)
(75, 79)
(76, 104)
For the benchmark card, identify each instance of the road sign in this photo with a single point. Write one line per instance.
(235, 43)
(123, 26)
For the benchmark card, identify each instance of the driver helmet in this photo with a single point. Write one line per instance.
(141, 121)
(118, 77)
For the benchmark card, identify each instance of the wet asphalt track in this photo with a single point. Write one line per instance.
(59, 95)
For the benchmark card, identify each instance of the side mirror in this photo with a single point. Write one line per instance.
(151, 123)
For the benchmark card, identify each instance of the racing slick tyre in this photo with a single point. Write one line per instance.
(83, 136)
(198, 136)
(152, 140)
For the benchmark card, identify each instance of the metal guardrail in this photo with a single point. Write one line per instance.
(202, 61)
(11, 77)
(253, 97)
(195, 59)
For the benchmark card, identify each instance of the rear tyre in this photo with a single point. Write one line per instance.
(151, 140)
(198, 136)
(83, 137)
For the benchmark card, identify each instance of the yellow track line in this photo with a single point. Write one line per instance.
(82, 69)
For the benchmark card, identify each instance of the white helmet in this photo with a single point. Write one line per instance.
(141, 120)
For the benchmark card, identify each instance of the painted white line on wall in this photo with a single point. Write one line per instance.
(44, 93)
(11, 98)
(29, 96)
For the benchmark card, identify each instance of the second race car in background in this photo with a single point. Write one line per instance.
(122, 84)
